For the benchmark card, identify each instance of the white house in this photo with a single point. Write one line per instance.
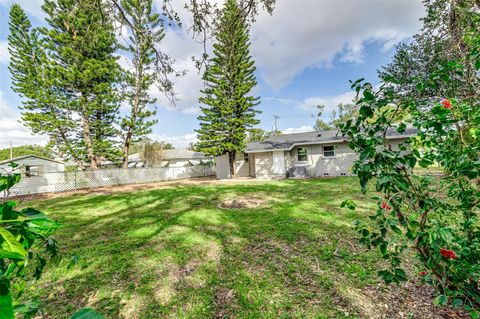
(37, 172)
(33, 165)
(173, 158)
(311, 154)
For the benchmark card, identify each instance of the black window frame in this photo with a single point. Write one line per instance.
(301, 156)
(330, 152)
(33, 170)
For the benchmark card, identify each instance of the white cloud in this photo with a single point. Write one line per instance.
(301, 129)
(302, 33)
(12, 130)
(182, 47)
(4, 54)
(178, 141)
(330, 102)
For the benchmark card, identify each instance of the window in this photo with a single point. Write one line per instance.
(329, 151)
(302, 154)
(31, 171)
(245, 157)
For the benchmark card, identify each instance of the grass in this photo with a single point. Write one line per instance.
(173, 253)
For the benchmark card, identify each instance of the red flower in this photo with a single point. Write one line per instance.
(422, 273)
(447, 253)
(447, 104)
(386, 206)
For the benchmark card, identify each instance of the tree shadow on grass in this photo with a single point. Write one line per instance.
(173, 253)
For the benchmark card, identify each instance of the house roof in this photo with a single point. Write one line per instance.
(172, 154)
(286, 142)
(181, 154)
(30, 155)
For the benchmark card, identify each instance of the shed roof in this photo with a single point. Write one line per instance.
(30, 155)
(286, 142)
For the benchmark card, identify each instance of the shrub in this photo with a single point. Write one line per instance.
(436, 216)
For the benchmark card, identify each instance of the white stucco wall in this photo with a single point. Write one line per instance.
(319, 165)
(241, 166)
(222, 166)
(270, 165)
(48, 166)
(278, 163)
(275, 164)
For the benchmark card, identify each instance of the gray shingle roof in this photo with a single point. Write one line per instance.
(288, 141)
(172, 154)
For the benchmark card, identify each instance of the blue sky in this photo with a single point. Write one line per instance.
(305, 54)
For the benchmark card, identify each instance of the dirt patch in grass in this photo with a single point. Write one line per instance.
(241, 203)
(223, 297)
(412, 299)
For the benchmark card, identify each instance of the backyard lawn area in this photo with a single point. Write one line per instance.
(176, 251)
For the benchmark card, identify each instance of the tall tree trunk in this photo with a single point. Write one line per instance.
(87, 137)
(126, 147)
(231, 160)
(69, 147)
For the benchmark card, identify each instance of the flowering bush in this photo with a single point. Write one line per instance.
(435, 215)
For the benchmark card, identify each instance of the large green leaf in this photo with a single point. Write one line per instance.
(6, 307)
(7, 212)
(86, 313)
(10, 247)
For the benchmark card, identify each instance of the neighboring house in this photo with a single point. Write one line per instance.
(311, 154)
(36, 172)
(173, 158)
(33, 165)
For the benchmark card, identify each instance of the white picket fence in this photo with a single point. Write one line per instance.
(69, 181)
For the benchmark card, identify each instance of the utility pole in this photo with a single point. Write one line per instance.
(11, 150)
(275, 127)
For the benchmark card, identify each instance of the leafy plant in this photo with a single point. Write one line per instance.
(26, 244)
(436, 216)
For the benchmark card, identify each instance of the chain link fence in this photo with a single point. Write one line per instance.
(69, 181)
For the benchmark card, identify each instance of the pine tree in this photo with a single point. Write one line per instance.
(81, 44)
(228, 107)
(146, 31)
(42, 107)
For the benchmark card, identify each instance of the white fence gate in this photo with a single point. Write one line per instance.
(68, 181)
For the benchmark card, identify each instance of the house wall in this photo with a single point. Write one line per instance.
(48, 166)
(51, 172)
(267, 164)
(270, 165)
(222, 166)
(241, 166)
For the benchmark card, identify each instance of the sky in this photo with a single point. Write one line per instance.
(305, 54)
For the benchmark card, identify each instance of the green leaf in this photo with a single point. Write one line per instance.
(368, 95)
(441, 300)
(86, 313)
(7, 212)
(348, 203)
(6, 307)
(457, 302)
(10, 247)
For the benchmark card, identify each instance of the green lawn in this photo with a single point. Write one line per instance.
(173, 253)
